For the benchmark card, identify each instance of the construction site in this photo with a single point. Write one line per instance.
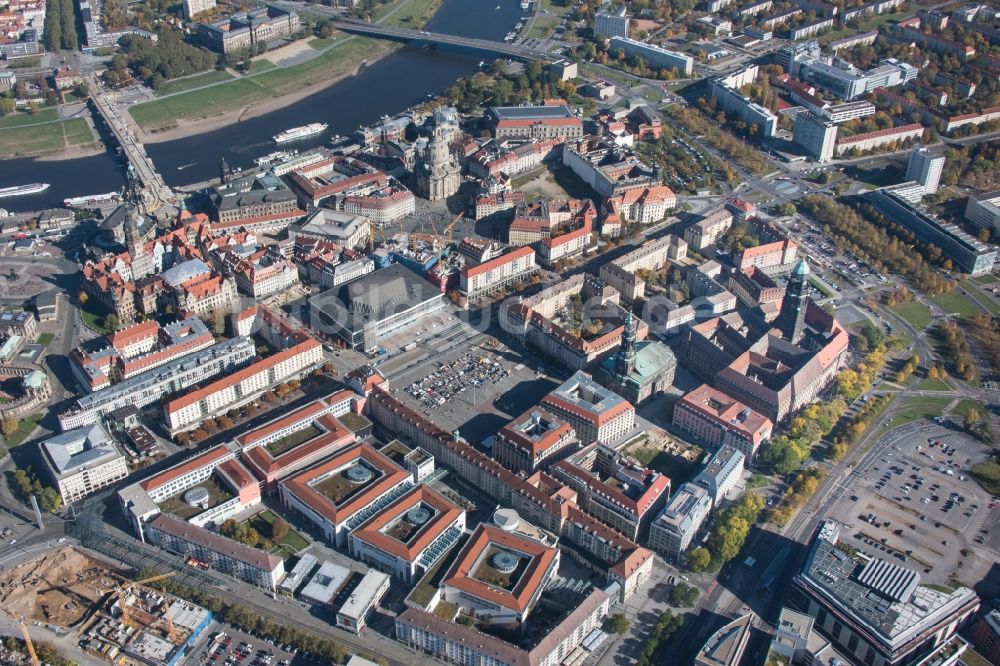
(111, 617)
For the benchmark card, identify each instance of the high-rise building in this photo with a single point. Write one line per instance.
(612, 23)
(793, 308)
(925, 167)
(816, 135)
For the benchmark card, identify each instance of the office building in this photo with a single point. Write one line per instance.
(343, 491)
(722, 473)
(325, 584)
(925, 167)
(675, 528)
(727, 645)
(534, 122)
(499, 576)
(597, 414)
(82, 461)
(498, 273)
(725, 90)
(986, 636)
(612, 23)
(715, 419)
(792, 318)
(877, 611)
(260, 203)
(532, 440)
(655, 57)
(816, 135)
(407, 537)
(969, 254)
(771, 258)
(353, 613)
(983, 210)
(246, 30)
(349, 231)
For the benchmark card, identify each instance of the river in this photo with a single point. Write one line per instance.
(385, 87)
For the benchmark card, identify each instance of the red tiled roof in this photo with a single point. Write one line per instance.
(889, 131)
(487, 266)
(209, 457)
(460, 575)
(371, 531)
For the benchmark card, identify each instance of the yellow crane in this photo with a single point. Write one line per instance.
(171, 629)
(28, 643)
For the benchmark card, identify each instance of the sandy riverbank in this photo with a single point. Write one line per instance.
(213, 122)
(66, 153)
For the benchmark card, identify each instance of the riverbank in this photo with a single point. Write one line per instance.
(53, 140)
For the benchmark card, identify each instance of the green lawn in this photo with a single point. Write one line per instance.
(24, 428)
(258, 66)
(917, 409)
(94, 320)
(962, 408)
(983, 298)
(24, 118)
(988, 278)
(343, 58)
(290, 545)
(319, 43)
(916, 314)
(414, 15)
(196, 81)
(45, 338)
(70, 97)
(956, 302)
(820, 287)
(927, 384)
(77, 132)
(35, 139)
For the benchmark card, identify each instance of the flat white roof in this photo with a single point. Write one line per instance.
(365, 595)
(325, 583)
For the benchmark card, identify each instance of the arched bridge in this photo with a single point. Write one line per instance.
(408, 35)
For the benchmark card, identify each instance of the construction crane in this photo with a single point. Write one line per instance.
(171, 629)
(28, 643)
(120, 591)
(450, 229)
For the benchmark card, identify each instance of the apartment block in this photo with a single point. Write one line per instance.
(654, 56)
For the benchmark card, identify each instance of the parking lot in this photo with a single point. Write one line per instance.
(918, 504)
(453, 378)
(235, 648)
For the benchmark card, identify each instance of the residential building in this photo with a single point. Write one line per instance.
(363, 312)
(612, 23)
(469, 585)
(494, 159)
(925, 167)
(82, 461)
(645, 205)
(252, 565)
(345, 490)
(565, 246)
(654, 56)
(497, 274)
(675, 528)
(652, 255)
(722, 473)
(237, 388)
(725, 90)
(614, 488)
(875, 610)
(816, 135)
(879, 138)
(597, 414)
(811, 29)
(407, 537)
(708, 229)
(771, 258)
(715, 419)
(152, 385)
(969, 254)
(194, 7)
(532, 441)
(245, 31)
(534, 122)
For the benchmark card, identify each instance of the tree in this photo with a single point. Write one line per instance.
(683, 595)
(111, 322)
(279, 529)
(49, 499)
(618, 623)
(82, 298)
(699, 559)
(9, 426)
(972, 418)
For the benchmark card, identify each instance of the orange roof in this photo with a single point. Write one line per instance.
(240, 375)
(209, 457)
(336, 435)
(237, 473)
(766, 248)
(392, 475)
(599, 419)
(889, 131)
(446, 513)
(461, 574)
(133, 334)
(487, 266)
(513, 431)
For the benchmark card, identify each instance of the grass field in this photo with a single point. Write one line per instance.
(342, 58)
(290, 545)
(927, 384)
(916, 409)
(414, 14)
(258, 66)
(983, 299)
(916, 314)
(45, 338)
(196, 81)
(22, 118)
(77, 132)
(962, 408)
(956, 302)
(24, 428)
(23, 140)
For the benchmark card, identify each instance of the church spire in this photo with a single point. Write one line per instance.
(625, 359)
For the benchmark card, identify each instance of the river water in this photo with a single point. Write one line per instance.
(385, 87)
